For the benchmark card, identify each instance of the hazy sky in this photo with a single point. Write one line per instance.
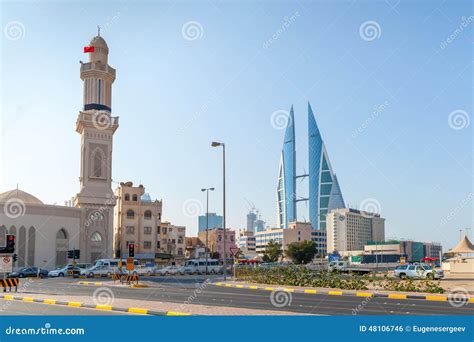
(390, 83)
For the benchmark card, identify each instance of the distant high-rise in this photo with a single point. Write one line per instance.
(324, 192)
(286, 188)
(215, 221)
(251, 218)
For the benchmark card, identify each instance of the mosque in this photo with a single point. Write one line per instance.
(44, 233)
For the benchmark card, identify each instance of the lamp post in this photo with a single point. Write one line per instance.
(217, 144)
(207, 223)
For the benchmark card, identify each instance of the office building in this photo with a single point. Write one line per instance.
(215, 221)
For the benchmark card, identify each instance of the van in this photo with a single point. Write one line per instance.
(198, 266)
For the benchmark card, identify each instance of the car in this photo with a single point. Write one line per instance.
(168, 270)
(143, 270)
(29, 272)
(417, 272)
(63, 271)
(98, 270)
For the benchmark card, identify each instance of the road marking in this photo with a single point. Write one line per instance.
(138, 310)
(397, 296)
(174, 313)
(437, 298)
(103, 307)
(76, 304)
(310, 291)
(364, 294)
(49, 301)
(335, 293)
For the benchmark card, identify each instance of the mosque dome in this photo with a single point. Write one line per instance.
(20, 195)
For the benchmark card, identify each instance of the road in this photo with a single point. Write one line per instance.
(13, 307)
(179, 290)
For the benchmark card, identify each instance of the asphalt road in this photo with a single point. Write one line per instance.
(181, 289)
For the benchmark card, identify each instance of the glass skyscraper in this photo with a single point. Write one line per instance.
(324, 190)
(286, 189)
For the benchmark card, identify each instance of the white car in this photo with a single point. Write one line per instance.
(417, 272)
(62, 271)
(98, 270)
(144, 270)
(168, 270)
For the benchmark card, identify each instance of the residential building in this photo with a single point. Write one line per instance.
(137, 220)
(194, 248)
(215, 221)
(352, 229)
(324, 190)
(246, 243)
(296, 231)
(171, 241)
(216, 242)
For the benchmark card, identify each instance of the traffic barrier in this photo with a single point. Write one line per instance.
(11, 282)
(117, 276)
(132, 278)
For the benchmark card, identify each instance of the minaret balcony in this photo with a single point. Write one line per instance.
(90, 67)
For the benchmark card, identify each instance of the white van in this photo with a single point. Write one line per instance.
(107, 267)
(198, 266)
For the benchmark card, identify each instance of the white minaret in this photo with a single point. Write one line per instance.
(96, 126)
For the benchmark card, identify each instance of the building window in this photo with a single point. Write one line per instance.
(147, 244)
(135, 198)
(164, 230)
(96, 237)
(159, 216)
(148, 215)
(130, 214)
(157, 244)
(127, 197)
(130, 230)
(158, 230)
(147, 230)
(170, 230)
(97, 161)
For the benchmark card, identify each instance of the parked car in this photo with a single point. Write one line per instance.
(144, 270)
(63, 271)
(29, 272)
(168, 270)
(98, 270)
(198, 266)
(417, 272)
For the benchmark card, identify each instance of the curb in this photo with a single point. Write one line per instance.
(341, 293)
(94, 283)
(94, 306)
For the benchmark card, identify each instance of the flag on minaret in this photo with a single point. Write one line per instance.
(88, 49)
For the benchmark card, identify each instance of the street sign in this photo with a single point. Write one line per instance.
(120, 264)
(6, 264)
(129, 264)
(403, 260)
(235, 251)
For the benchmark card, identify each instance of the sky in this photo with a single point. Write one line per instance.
(390, 83)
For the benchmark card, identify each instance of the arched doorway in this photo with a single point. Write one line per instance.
(3, 236)
(21, 243)
(97, 246)
(62, 244)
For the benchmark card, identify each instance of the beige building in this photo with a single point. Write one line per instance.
(136, 220)
(216, 242)
(351, 229)
(194, 248)
(246, 243)
(296, 232)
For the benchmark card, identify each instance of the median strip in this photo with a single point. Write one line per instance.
(134, 310)
(342, 293)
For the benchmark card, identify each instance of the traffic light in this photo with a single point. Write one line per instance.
(73, 254)
(77, 254)
(10, 248)
(15, 257)
(131, 250)
(70, 254)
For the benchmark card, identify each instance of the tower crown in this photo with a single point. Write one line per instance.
(101, 50)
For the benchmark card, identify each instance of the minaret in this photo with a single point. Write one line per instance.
(96, 126)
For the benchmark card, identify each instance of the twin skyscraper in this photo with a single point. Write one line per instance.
(324, 193)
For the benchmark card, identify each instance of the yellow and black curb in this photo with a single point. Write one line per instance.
(92, 283)
(140, 311)
(436, 298)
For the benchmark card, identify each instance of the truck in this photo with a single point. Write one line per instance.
(345, 267)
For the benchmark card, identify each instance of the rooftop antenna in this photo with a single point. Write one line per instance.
(98, 31)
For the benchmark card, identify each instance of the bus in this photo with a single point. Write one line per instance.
(198, 266)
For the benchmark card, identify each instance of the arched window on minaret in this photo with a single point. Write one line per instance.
(98, 162)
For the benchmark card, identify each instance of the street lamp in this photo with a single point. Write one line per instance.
(217, 144)
(207, 222)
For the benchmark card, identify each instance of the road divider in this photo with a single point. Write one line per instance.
(438, 298)
(102, 307)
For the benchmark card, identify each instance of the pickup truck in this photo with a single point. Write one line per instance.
(345, 267)
(417, 272)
